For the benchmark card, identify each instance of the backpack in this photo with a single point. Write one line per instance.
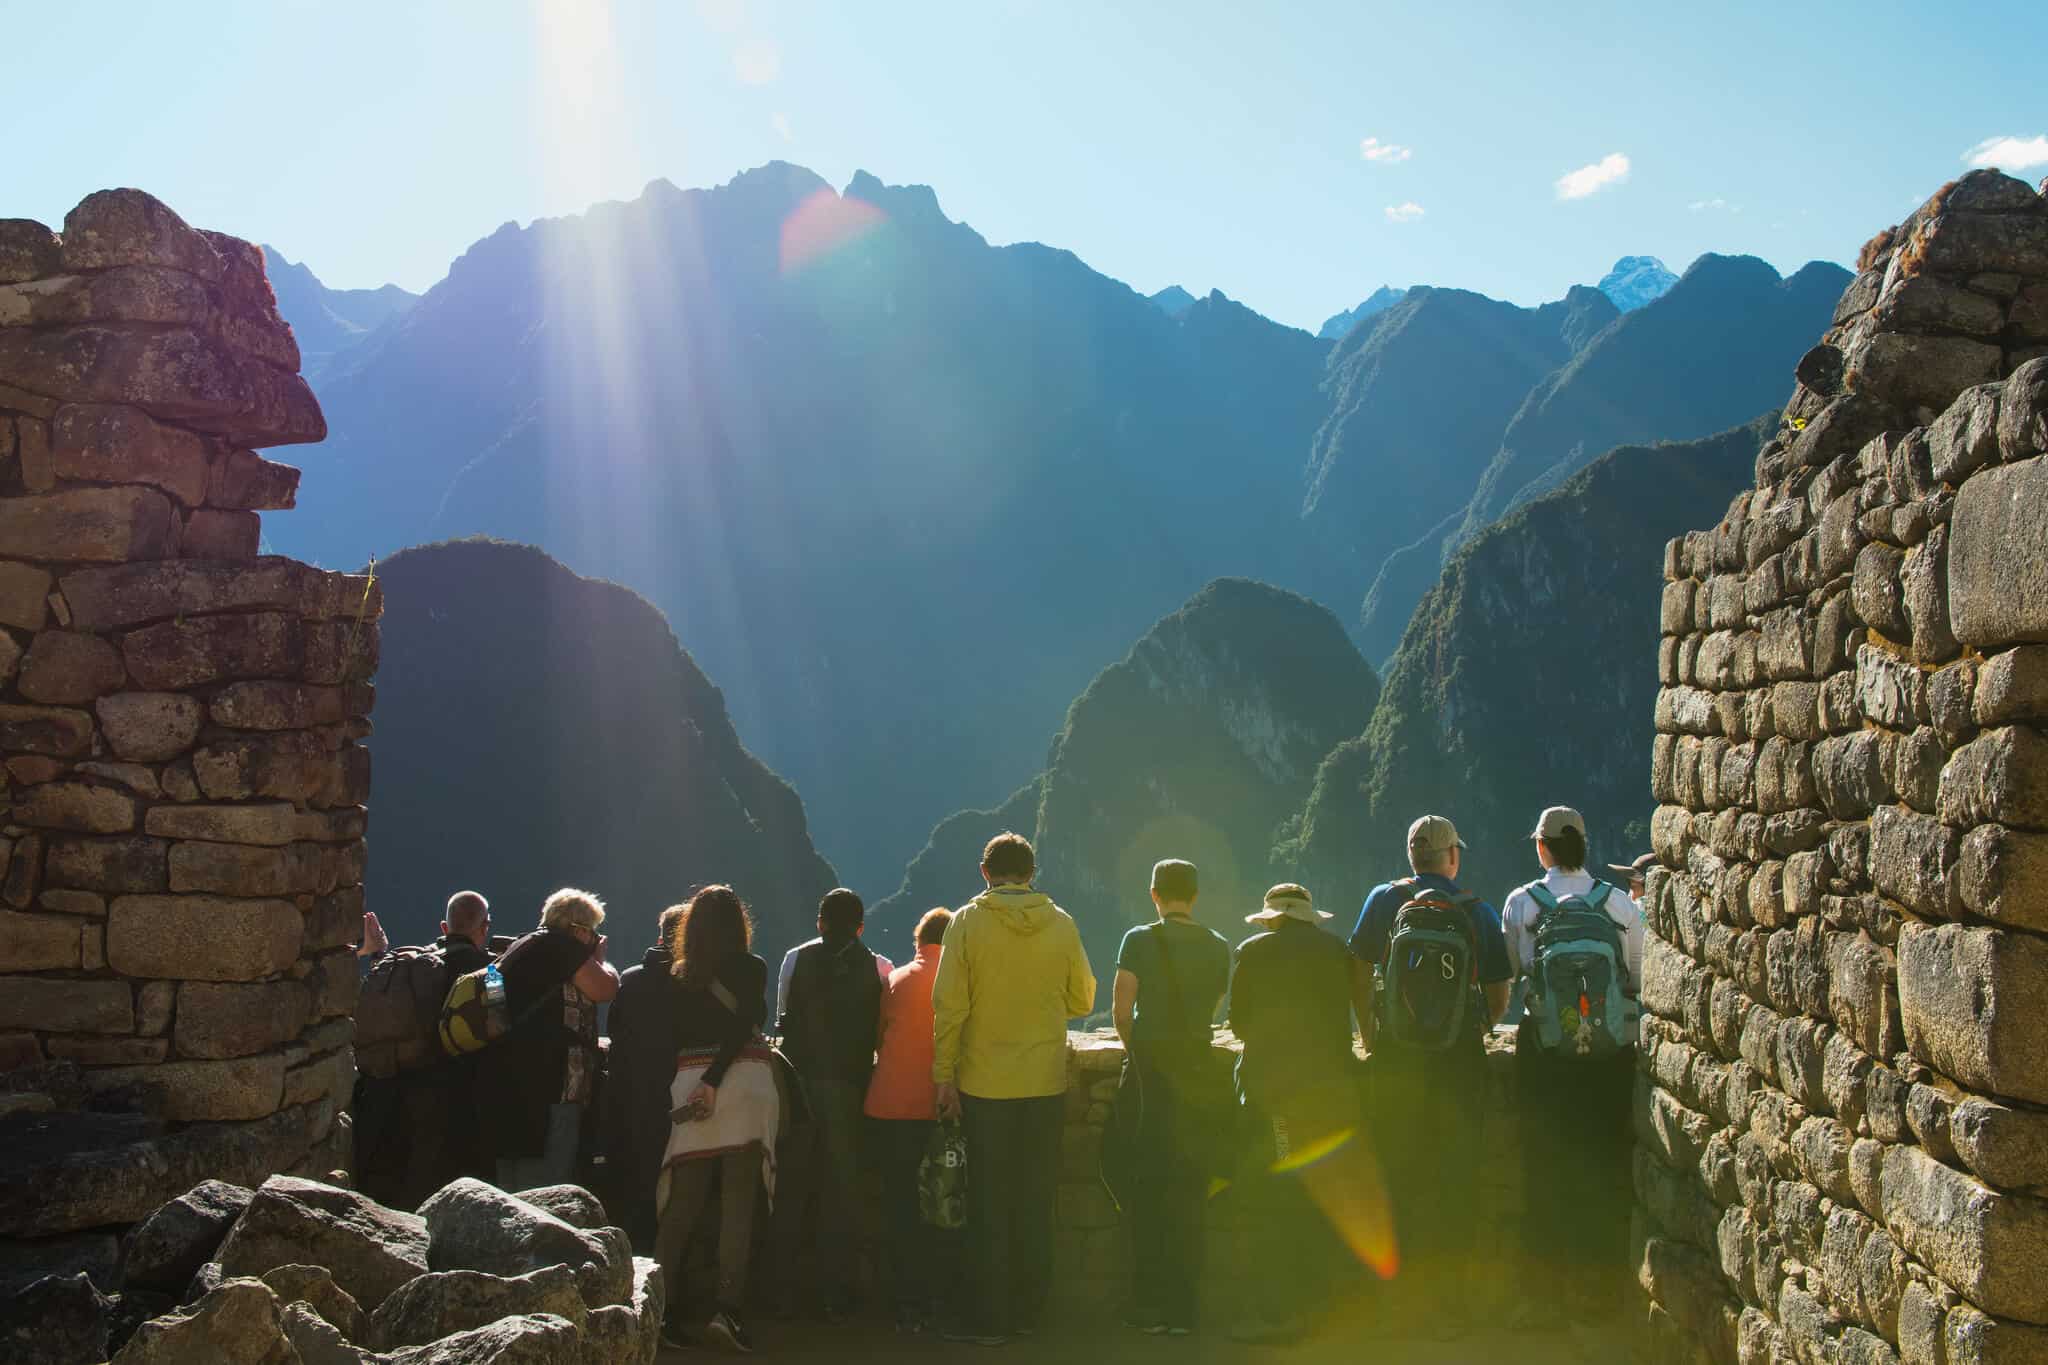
(475, 1013)
(835, 1004)
(1431, 971)
(942, 1178)
(397, 1009)
(1576, 996)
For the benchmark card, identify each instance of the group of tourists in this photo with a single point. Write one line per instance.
(853, 1120)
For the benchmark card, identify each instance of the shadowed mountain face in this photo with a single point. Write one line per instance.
(536, 729)
(1711, 352)
(1200, 743)
(904, 493)
(1519, 681)
(329, 321)
(1339, 325)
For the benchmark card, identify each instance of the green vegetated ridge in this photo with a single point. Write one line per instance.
(1200, 743)
(1524, 676)
(538, 729)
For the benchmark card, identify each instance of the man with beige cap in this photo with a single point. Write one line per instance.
(1291, 999)
(1427, 1102)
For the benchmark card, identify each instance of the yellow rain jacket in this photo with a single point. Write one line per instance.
(1012, 975)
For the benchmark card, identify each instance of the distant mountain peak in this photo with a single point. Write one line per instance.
(1380, 300)
(1635, 281)
(1172, 300)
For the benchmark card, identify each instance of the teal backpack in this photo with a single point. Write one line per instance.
(1577, 997)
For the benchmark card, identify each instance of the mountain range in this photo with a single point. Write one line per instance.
(538, 729)
(326, 321)
(905, 493)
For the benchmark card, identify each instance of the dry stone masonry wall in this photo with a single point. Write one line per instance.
(1843, 1108)
(180, 726)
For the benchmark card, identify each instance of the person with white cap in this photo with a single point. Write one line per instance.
(1576, 1108)
(1291, 1002)
(1427, 1099)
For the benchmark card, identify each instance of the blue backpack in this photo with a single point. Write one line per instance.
(1429, 980)
(1577, 997)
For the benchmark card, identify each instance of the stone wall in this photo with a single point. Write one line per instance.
(1093, 1262)
(180, 718)
(1842, 1152)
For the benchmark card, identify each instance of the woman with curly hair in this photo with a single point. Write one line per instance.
(725, 1104)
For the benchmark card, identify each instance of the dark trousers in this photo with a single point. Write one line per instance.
(415, 1133)
(921, 1257)
(822, 1161)
(1305, 1169)
(1575, 1138)
(1013, 1167)
(1166, 1198)
(736, 1175)
(1426, 1109)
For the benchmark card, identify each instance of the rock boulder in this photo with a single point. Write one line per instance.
(444, 1302)
(370, 1250)
(167, 1248)
(474, 1226)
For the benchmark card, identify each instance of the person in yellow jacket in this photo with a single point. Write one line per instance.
(1012, 975)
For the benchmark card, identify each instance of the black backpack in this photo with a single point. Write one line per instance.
(1430, 977)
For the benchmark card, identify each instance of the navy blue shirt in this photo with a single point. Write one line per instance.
(1168, 953)
(1376, 925)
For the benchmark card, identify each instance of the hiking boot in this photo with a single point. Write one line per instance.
(726, 1330)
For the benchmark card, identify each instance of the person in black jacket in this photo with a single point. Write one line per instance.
(642, 1028)
(829, 1026)
(719, 1004)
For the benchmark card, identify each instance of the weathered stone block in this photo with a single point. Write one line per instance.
(1923, 371)
(1890, 690)
(38, 943)
(1923, 583)
(48, 730)
(1849, 775)
(220, 533)
(242, 1088)
(292, 765)
(2002, 874)
(148, 727)
(218, 1020)
(76, 806)
(24, 595)
(1965, 438)
(1861, 993)
(131, 594)
(1999, 777)
(182, 654)
(28, 250)
(1923, 303)
(114, 443)
(88, 524)
(51, 1004)
(236, 869)
(264, 822)
(64, 667)
(273, 705)
(202, 938)
(243, 479)
(1998, 556)
(1985, 1243)
(1975, 1338)
(1879, 597)
(128, 227)
(1970, 999)
(2023, 411)
(1913, 860)
(2012, 686)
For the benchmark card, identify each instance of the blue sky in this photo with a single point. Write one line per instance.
(1213, 145)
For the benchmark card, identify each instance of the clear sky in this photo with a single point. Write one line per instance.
(1213, 145)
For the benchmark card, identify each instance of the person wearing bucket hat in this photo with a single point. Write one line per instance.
(1633, 877)
(1576, 1145)
(1428, 1103)
(1291, 1001)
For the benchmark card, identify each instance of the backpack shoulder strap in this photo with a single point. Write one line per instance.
(1540, 893)
(1597, 894)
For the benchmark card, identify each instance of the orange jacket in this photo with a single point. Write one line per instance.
(901, 1087)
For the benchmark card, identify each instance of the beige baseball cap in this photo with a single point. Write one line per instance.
(1433, 834)
(1288, 900)
(1557, 820)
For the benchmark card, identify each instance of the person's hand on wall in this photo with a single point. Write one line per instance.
(374, 940)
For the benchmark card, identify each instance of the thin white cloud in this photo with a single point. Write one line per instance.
(780, 123)
(757, 61)
(1386, 153)
(1404, 213)
(2009, 153)
(1611, 169)
(1702, 205)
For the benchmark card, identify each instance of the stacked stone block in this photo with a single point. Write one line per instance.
(1843, 1150)
(180, 717)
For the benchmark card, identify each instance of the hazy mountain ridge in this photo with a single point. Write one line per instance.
(327, 322)
(537, 729)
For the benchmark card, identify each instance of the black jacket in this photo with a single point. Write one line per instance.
(834, 1012)
(642, 1063)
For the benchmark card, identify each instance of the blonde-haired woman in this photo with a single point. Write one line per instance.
(538, 1079)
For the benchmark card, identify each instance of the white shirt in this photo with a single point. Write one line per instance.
(882, 965)
(1518, 921)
